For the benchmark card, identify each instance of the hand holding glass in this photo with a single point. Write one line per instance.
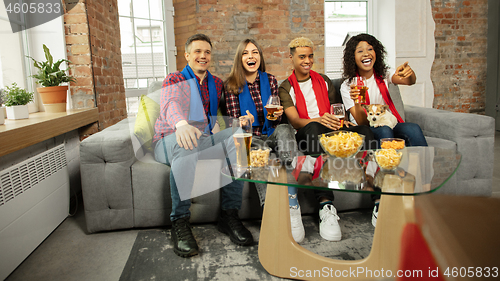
(242, 135)
(338, 110)
(359, 83)
(272, 105)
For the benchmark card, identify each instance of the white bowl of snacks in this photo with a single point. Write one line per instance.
(259, 157)
(388, 158)
(342, 144)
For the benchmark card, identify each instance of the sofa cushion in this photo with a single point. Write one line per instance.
(144, 127)
(441, 143)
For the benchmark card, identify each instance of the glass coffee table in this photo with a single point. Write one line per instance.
(422, 170)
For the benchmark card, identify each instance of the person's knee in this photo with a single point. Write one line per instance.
(314, 128)
(385, 130)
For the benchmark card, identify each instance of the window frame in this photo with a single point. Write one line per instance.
(371, 21)
(168, 46)
(25, 50)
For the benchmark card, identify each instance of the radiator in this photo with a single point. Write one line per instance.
(34, 200)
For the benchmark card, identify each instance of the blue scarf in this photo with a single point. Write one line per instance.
(247, 103)
(196, 109)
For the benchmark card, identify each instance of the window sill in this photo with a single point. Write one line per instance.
(40, 126)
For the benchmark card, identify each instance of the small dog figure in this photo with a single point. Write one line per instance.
(378, 115)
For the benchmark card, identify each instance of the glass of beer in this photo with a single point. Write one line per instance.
(272, 105)
(338, 110)
(242, 135)
(359, 83)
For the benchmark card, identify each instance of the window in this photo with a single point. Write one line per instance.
(143, 27)
(14, 66)
(343, 19)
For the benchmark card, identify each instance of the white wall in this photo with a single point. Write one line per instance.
(415, 44)
(406, 29)
(385, 27)
(52, 35)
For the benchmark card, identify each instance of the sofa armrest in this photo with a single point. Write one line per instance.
(106, 158)
(474, 135)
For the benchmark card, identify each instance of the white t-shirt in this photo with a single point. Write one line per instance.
(373, 92)
(308, 92)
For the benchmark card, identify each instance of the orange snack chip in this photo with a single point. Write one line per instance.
(394, 144)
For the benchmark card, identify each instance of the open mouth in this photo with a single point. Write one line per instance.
(366, 62)
(202, 62)
(251, 63)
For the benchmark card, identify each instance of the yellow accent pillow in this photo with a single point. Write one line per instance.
(144, 127)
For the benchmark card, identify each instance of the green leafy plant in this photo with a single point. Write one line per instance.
(49, 73)
(14, 95)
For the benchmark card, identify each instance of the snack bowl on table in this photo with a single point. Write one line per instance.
(388, 159)
(259, 157)
(342, 144)
(397, 144)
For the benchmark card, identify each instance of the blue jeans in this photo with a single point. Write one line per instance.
(410, 132)
(183, 165)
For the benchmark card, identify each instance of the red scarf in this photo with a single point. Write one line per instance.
(300, 162)
(385, 95)
(320, 91)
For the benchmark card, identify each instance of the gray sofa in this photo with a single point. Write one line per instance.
(124, 187)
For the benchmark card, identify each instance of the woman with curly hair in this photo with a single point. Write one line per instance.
(364, 56)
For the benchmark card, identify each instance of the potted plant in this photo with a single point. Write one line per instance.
(50, 77)
(16, 100)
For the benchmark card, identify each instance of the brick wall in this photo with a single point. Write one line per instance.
(273, 23)
(458, 72)
(459, 69)
(93, 47)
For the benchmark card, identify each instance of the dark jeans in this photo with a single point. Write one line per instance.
(282, 141)
(410, 132)
(308, 143)
(183, 167)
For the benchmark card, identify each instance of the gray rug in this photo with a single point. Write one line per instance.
(152, 257)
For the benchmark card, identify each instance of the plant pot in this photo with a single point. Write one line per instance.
(54, 98)
(17, 112)
(2, 115)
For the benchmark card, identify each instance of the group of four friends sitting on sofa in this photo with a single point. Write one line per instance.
(188, 125)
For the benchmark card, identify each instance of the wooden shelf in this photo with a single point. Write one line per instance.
(40, 126)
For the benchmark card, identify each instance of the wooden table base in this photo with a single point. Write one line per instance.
(281, 256)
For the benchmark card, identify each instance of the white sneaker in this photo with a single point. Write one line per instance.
(375, 215)
(298, 231)
(329, 227)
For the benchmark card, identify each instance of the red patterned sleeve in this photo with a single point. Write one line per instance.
(174, 104)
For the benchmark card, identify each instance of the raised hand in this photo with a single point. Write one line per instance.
(404, 70)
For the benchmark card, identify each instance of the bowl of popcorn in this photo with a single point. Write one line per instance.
(388, 158)
(394, 143)
(259, 156)
(342, 144)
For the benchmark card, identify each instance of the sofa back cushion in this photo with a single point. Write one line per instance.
(144, 127)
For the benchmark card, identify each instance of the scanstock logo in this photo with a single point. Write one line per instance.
(25, 14)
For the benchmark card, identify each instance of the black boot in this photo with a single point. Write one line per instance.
(230, 224)
(183, 239)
